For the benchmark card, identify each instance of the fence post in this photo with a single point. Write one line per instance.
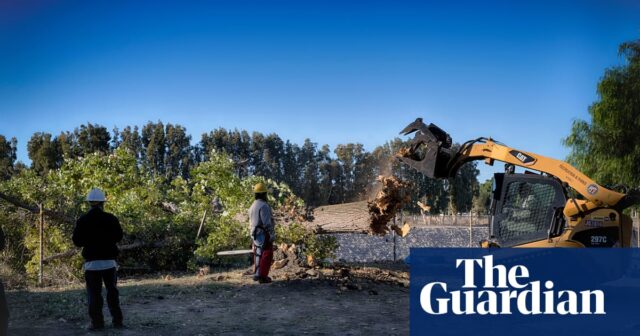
(204, 217)
(470, 229)
(638, 230)
(41, 257)
(393, 232)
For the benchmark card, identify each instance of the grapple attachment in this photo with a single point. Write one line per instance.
(429, 152)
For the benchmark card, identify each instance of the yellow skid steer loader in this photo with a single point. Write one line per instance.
(552, 204)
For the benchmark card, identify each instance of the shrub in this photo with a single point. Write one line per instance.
(318, 246)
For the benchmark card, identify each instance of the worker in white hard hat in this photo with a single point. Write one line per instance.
(98, 232)
(263, 233)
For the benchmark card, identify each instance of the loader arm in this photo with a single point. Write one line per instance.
(431, 153)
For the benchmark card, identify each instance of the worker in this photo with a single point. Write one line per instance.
(263, 233)
(529, 211)
(97, 232)
(4, 310)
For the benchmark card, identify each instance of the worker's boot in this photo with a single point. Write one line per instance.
(264, 280)
(95, 326)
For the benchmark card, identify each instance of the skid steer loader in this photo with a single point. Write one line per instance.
(551, 204)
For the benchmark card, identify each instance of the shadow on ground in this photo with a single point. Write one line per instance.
(222, 304)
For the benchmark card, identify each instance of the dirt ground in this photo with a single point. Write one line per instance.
(338, 301)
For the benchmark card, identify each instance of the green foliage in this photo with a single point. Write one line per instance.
(319, 175)
(215, 179)
(291, 234)
(56, 241)
(133, 195)
(136, 196)
(226, 234)
(15, 256)
(178, 160)
(164, 150)
(607, 147)
(91, 138)
(7, 156)
(230, 229)
(321, 246)
(318, 246)
(357, 171)
(482, 201)
(159, 186)
(48, 153)
(44, 152)
(463, 188)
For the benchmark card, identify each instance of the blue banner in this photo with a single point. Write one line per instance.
(459, 291)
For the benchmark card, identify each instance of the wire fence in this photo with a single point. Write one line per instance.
(469, 219)
(427, 231)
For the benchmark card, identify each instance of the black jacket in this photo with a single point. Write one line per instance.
(97, 232)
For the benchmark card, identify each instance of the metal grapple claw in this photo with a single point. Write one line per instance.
(429, 152)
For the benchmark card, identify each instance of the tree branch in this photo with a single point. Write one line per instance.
(126, 247)
(61, 217)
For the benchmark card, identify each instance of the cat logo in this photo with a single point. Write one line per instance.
(522, 157)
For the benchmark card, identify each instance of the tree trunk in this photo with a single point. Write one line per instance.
(341, 218)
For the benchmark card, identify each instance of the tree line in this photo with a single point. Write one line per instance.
(318, 174)
(164, 190)
(606, 147)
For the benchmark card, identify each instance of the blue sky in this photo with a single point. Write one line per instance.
(332, 71)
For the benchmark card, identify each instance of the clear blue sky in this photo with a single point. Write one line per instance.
(332, 71)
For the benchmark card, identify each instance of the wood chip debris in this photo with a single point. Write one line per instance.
(393, 195)
(405, 152)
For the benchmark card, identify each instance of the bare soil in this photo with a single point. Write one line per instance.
(340, 300)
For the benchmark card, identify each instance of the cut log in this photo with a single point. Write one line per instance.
(366, 216)
(346, 218)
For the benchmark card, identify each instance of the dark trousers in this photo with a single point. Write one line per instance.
(94, 280)
(4, 312)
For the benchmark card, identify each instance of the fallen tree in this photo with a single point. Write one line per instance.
(341, 218)
(125, 247)
(35, 209)
(64, 218)
(371, 216)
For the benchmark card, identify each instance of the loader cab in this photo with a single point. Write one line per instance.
(526, 208)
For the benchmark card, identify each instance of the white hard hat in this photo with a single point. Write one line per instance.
(96, 195)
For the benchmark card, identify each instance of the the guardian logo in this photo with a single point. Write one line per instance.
(509, 293)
